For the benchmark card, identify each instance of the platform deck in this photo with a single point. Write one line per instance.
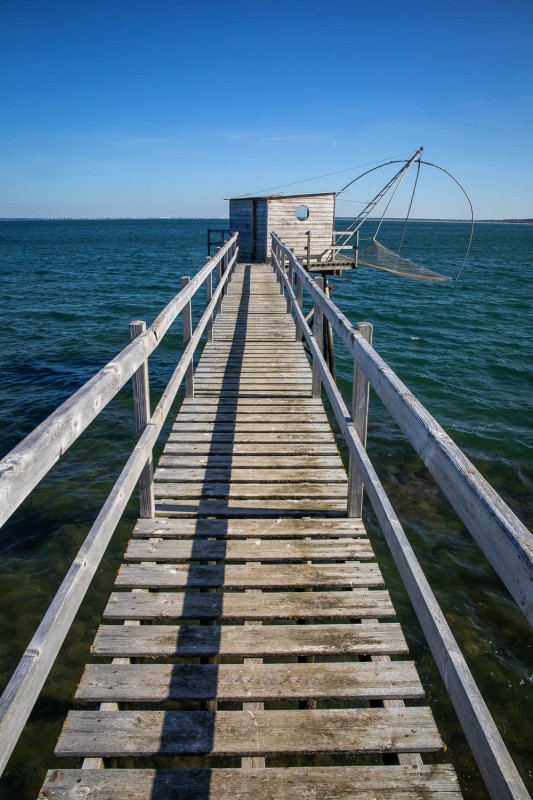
(250, 648)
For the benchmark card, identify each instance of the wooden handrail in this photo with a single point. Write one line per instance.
(499, 772)
(504, 539)
(25, 685)
(24, 467)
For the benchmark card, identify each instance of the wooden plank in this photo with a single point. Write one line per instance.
(255, 576)
(236, 437)
(254, 550)
(270, 475)
(253, 640)
(275, 447)
(218, 427)
(391, 782)
(146, 733)
(258, 507)
(309, 403)
(248, 490)
(240, 462)
(223, 414)
(153, 683)
(356, 604)
(251, 528)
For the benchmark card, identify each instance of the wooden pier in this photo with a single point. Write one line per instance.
(250, 648)
(251, 527)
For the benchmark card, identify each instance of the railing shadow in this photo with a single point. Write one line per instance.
(204, 606)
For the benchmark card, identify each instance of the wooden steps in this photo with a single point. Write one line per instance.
(249, 620)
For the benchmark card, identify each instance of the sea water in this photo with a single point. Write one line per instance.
(69, 288)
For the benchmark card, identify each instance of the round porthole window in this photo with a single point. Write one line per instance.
(302, 213)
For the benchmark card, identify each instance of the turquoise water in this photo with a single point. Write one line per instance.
(69, 290)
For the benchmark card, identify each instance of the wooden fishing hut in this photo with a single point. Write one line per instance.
(304, 222)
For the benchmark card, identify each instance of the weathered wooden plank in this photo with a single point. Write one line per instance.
(224, 414)
(266, 380)
(252, 640)
(240, 463)
(249, 448)
(145, 733)
(251, 528)
(248, 490)
(429, 782)
(242, 404)
(152, 683)
(357, 604)
(254, 576)
(258, 507)
(266, 437)
(218, 427)
(251, 391)
(255, 550)
(270, 475)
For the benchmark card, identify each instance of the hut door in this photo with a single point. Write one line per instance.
(259, 229)
(254, 228)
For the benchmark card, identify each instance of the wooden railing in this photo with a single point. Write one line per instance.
(23, 468)
(503, 538)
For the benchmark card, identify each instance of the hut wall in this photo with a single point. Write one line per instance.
(283, 222)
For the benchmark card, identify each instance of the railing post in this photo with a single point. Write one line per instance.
(225, 262)
(289, 278)
(360, 395)
(299, 300)
(308, 249)
(281, 273)
(141, 413)
(186, 318)
(208, 297)
(219, 278)
(318, 333)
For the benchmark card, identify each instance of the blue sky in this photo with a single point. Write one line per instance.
(165, 108)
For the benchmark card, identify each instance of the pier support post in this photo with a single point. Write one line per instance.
(318, 332)
(141, 413)
(360, 395)
(186, 317)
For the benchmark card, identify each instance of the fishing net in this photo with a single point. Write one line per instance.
(377, 256)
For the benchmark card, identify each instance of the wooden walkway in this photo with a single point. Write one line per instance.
(250, 650)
